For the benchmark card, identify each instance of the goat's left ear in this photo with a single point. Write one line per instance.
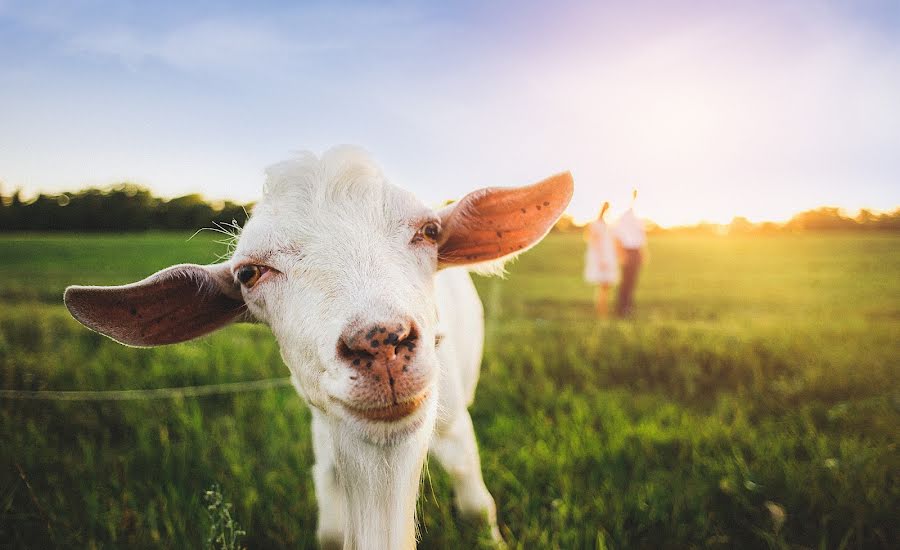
(173, 305)
(493, 223)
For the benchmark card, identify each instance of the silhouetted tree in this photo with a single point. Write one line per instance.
(565, 224)
(121, 207)
(826, 217)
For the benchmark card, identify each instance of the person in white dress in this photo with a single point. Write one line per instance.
(601, 268)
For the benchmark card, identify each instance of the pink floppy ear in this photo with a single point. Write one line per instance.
(497, 222)
(173, 305)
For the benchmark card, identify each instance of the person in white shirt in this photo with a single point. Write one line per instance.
(632, 239)
(600, 265)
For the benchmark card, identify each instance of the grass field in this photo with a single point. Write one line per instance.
(753, 402)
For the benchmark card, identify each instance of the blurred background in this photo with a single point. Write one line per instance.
(750, 400)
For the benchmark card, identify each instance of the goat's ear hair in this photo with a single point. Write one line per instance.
(173, 305)
(499, 222)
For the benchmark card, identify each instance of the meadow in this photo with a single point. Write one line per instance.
(753, 402)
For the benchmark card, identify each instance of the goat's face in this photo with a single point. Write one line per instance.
(341, 265)
(343, 274)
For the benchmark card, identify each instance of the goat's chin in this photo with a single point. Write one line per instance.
(391, 425)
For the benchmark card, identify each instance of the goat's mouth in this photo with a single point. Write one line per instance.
(389, 413)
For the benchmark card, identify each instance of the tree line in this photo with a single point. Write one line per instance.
(826, 218)
(129, 207)
(122, 207)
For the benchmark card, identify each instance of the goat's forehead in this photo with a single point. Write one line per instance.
(307, 197)
(385, 209)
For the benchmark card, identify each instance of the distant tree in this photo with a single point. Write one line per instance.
(888, 221)
(740, 225)
(824, 218)
(566, 224)
(866, 217)
(653, 228)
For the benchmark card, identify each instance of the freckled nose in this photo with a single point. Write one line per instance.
(385, 372)
(383, 341)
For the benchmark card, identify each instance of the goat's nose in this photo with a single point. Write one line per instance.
(379, 340)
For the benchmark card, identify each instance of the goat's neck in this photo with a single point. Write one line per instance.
(380, 487)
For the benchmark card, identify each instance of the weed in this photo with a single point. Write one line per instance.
(224, 531)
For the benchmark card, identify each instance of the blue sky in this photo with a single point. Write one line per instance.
(711, 109)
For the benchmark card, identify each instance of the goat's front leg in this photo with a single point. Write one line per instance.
(329, 495)
(457, 450)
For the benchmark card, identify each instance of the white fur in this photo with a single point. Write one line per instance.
(348, 280)
(339, 235)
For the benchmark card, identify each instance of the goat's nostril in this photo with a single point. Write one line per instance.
(345, 351)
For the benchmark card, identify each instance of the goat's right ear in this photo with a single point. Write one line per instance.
(173, 305)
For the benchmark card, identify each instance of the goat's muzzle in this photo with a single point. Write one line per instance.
(387, 383)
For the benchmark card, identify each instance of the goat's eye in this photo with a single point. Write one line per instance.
(431, 231)
(248, 275)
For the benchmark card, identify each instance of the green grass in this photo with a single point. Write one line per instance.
(760, 373)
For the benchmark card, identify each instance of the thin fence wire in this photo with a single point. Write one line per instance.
(140, 395)
(491, 324)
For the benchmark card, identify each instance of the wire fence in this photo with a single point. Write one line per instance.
(140, 395)
(491, 322)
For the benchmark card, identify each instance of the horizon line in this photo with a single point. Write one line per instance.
(29, 196)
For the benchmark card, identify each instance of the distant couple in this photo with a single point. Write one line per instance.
(607, 248)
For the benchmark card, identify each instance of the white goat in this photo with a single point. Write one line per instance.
(382, 338)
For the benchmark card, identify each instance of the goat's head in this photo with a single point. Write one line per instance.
(340, 264)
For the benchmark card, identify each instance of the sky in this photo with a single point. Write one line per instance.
(710, 109)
